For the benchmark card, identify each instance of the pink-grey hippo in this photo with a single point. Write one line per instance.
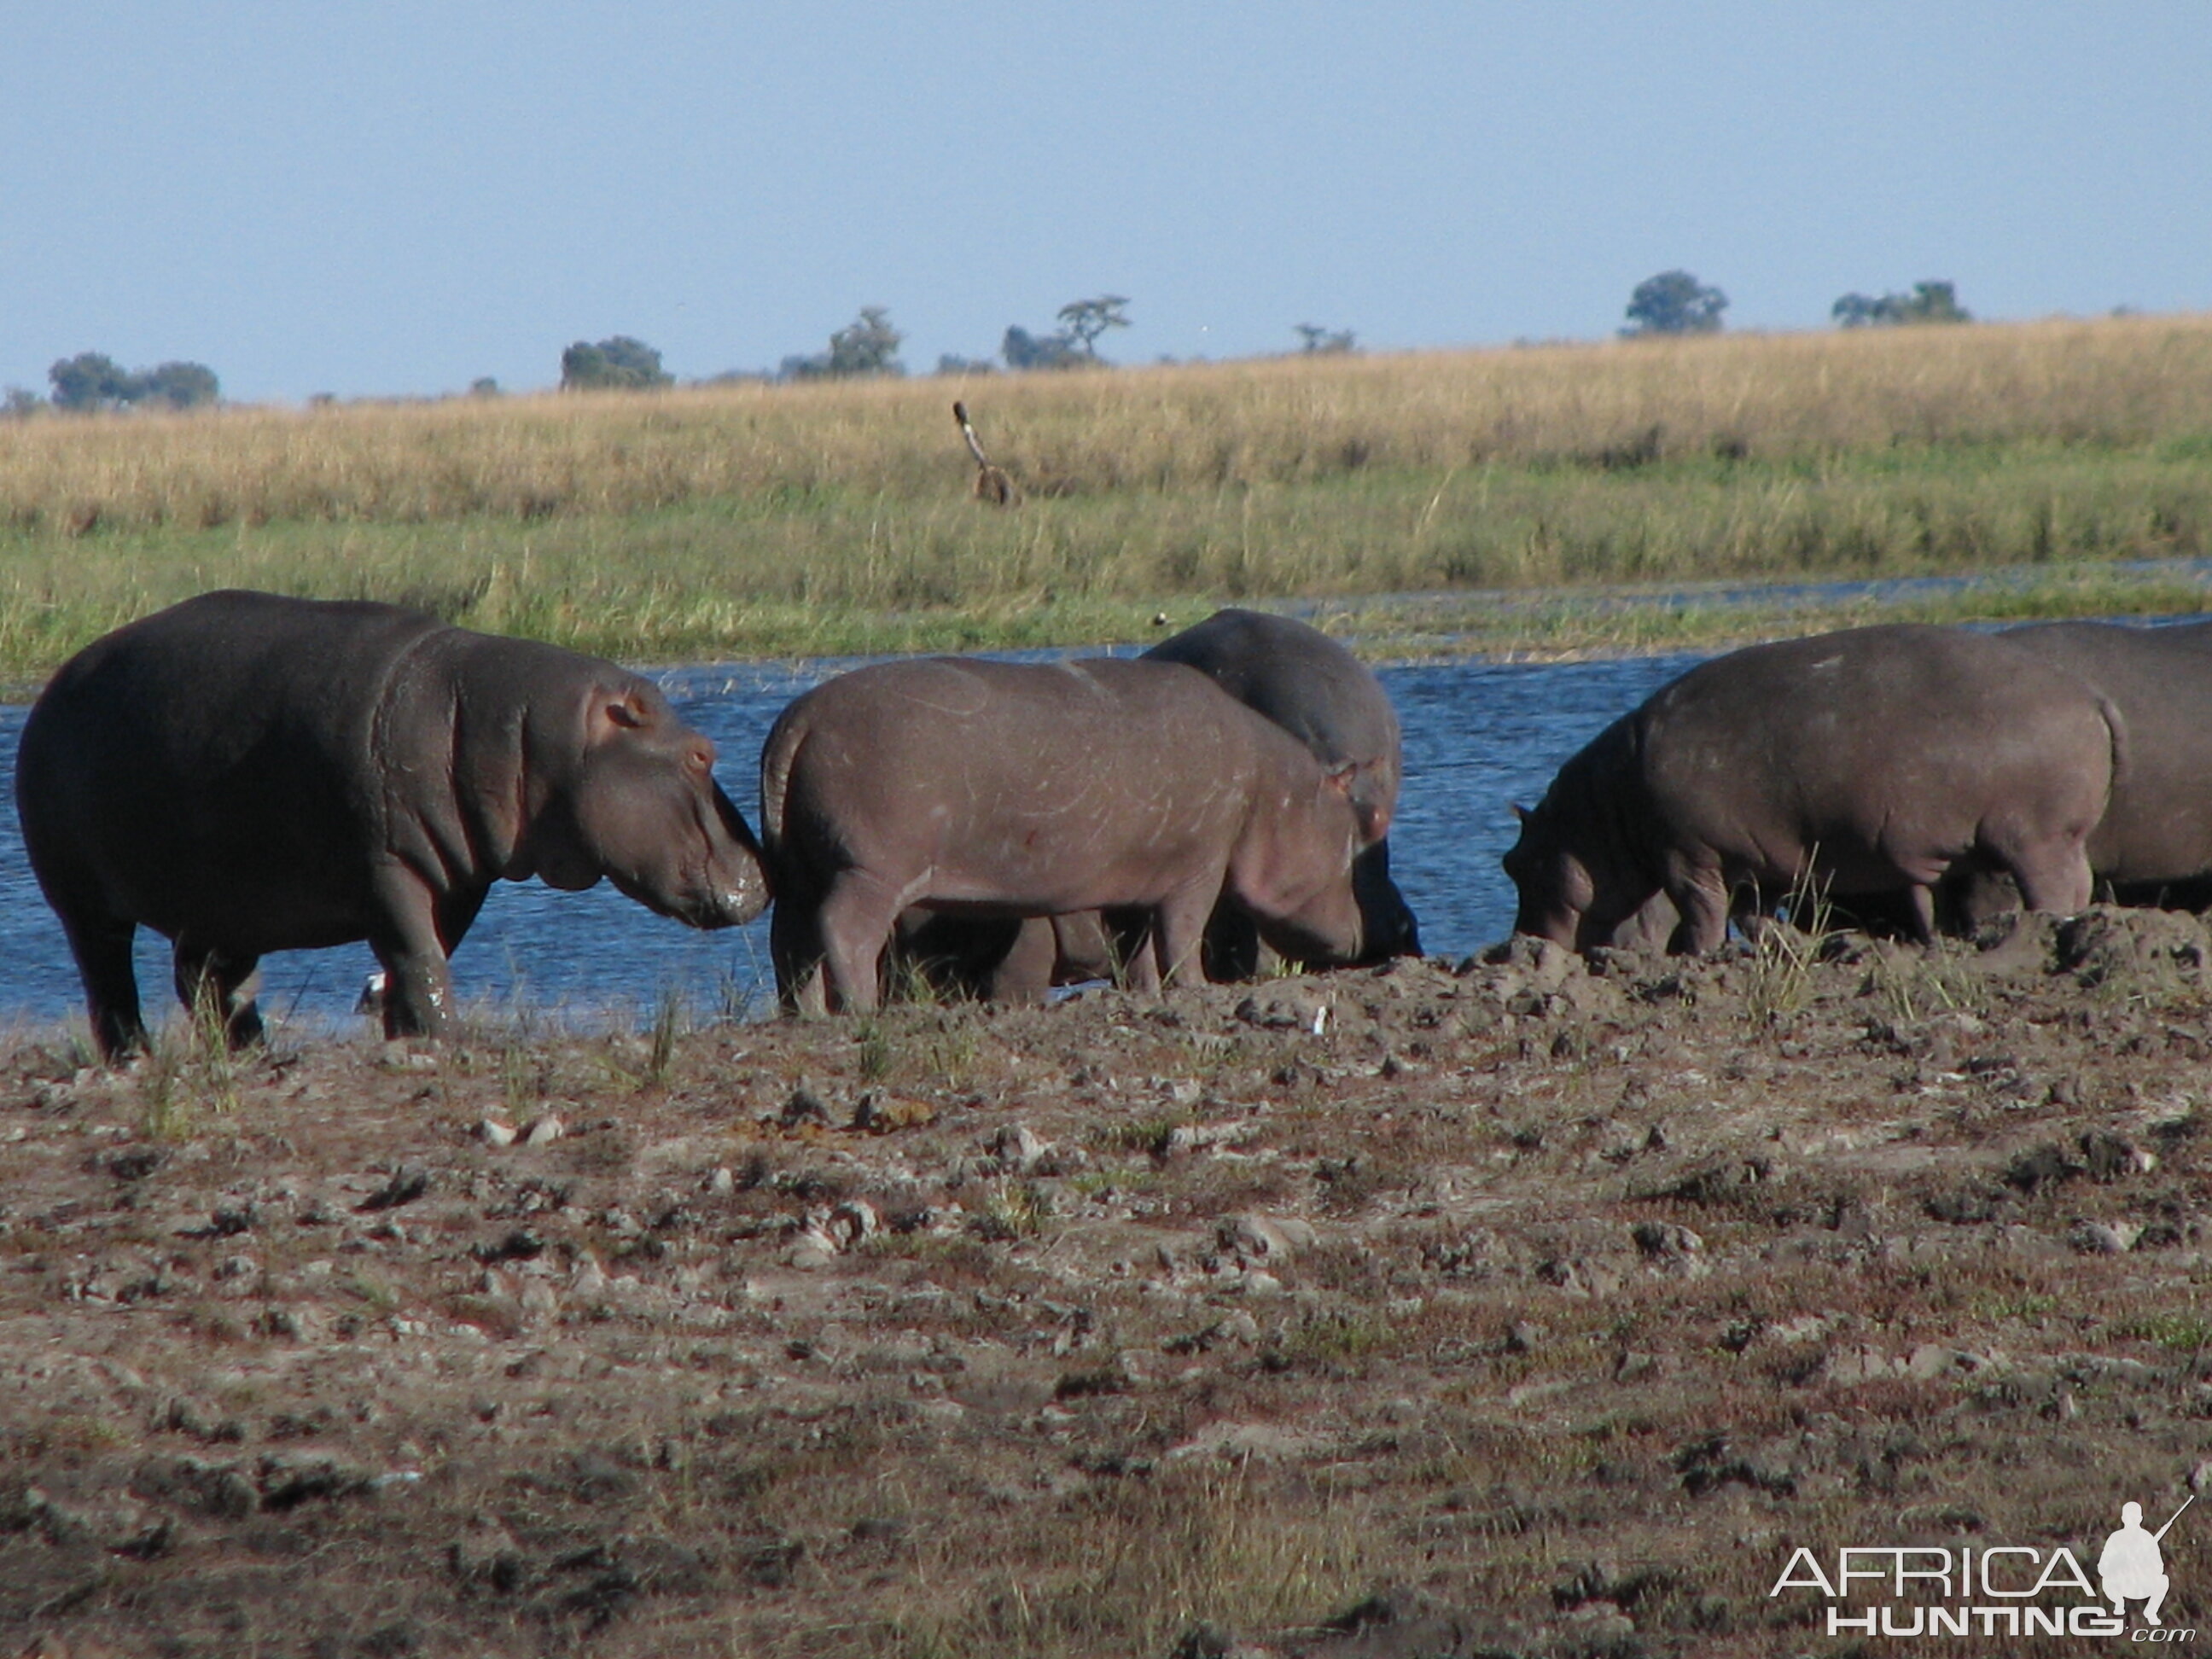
(1868, 762)
(245, 773)
(2153, 844)
(1011, 790)
(1313, 688)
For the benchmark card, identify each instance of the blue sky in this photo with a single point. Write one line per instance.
(399, 198)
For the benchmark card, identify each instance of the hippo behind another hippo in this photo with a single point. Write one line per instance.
(999, 789)
(1871, 761)
(1313, 688)
(246, 773)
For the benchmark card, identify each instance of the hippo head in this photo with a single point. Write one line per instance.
(1295, 876)
(637, 802)
(1387, 925)
(1571, 892)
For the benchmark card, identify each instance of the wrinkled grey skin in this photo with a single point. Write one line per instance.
(1870, 762)
(1007, 790)
(244, 773)
(1314, 688)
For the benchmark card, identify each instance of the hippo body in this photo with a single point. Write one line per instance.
(1306, 682)
(1007, 791)
(1867, 762)
(245, 773)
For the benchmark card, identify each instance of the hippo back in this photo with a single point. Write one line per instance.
(1309, 685)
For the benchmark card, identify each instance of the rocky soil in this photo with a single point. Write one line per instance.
(1520, 1306)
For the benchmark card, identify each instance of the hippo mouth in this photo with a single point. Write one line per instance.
(706, 911)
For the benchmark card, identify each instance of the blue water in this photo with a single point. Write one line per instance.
(1478, 736)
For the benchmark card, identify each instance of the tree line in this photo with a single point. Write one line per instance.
(92, 380)
(1674, 303)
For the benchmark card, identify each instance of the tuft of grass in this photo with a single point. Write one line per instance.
(670, 1022)
(188, 1069)
(876, 1053)
(1784, 951)
(1914, 984)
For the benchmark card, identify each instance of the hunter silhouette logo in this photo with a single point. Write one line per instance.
(1995, 1589)
(2131, 1569)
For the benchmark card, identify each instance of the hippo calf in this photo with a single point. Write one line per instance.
(1867, 762)
(1011, 790)
(1304, 681)
(244, 773)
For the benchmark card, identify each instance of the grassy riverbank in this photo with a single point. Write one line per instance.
(762, 519)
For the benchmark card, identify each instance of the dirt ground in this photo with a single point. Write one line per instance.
(1517, 1306)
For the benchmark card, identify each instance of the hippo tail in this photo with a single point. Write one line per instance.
(2116, 724)
(777, 755)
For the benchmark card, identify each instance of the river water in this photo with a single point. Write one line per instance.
(1478, 736)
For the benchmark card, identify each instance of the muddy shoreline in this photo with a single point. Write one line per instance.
(1522, 1305)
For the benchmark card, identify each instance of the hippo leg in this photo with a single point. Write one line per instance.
(418, 992)
(794, 945)
(1921, 897)
(1178, 938)
(856, 920)
(1025, 973)
(103, 948)
(230, 984)
(1701, 898)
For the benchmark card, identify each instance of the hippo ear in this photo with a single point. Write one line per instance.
(628, 711)
(1520, 813)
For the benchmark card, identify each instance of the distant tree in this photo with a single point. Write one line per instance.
(621, 364)
(22, 402)
(180, 386)
(867, 346)
(1674, 302)
(1929, 302)
(1084, 320)
(952, 363)
(484, 387)
(1320, 341)
(864, 349)
(89, 380)
(1023, 350)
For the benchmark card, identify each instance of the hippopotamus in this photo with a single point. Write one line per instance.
(1868, 762)
(1314, 688)
(245, 773)
(2153, 845)
(1014, 790)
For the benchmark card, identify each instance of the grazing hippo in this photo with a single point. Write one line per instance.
(1868, 762)
(246, 773)
(1306, 682)
(1012, 790)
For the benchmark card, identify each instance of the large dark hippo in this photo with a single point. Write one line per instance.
(1868, 762)
(246, 773)
(1013, 790)
(1314, 688)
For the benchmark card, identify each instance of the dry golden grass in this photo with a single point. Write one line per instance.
(758, 517)
(2118, 382)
